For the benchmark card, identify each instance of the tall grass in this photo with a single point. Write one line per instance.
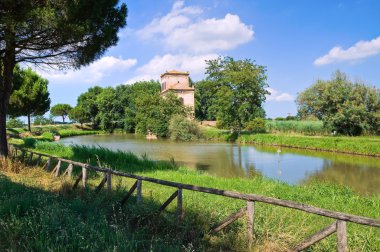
(310, 128)
(135, 228)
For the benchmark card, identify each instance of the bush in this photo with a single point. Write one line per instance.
(14, 123)
(30, 142)
(256, 125)
(183, 129)
(49, 136)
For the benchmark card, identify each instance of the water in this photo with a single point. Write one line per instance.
(292, 166)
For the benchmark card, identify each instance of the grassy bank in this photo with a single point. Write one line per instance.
(365, 145)
(133, 228)
(352, 145)
(49, 131)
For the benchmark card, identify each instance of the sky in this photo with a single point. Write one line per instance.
(298, 41)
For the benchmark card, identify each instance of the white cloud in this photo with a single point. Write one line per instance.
(184, 30)
(93, 73)
(278, 96)
(159, 64)
(360, 50)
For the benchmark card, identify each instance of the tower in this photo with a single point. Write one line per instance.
(179, 83)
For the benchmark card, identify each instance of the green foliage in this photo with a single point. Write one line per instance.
(30, 142)
(79, 114)
(204, 99)
(111, 109)
(352, 145)
(183, 129)
(41, 120)
(88, 101)
(49, 136)
(256, 125)
(76, 132)
(280, 119)
(61, 110)
(154, 112)
(239, 91)
(299, 127)
(30, 95)
(137, 92)
(14, 123)
(347, 107)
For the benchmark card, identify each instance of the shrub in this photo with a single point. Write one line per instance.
(14, 123)
(49, 136)
(256, 125)
(183, 129)
(30, 142)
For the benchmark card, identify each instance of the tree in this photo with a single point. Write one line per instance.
(61, 110)
(79, 114)
(346, 107)
(59, 34)
(111, 109)
(30, 96)
(239, 89)
(135, 93)
(204, 99)
(88, 101)
(154, 112)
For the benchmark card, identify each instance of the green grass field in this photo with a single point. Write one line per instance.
(34, 206)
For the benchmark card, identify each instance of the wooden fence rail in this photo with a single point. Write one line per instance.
(339, 226)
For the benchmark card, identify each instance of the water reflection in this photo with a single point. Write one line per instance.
(292, 166)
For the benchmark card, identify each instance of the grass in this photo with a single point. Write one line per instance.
(34, 207)
(363, 145)
(352, 145)
(310, 128)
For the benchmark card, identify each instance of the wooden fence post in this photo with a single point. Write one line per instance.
(109, 181)
(179, 205)
(250, 222)
(70, 170)
(84, 177)
(342, 236)
(48, 164)
(39, 159)
(23, 155)
(31, 157)
(139, 190)
(57, 168)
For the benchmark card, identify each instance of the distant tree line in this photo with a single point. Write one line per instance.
(135, 108)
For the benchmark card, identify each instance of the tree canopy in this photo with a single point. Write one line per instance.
(62, 110)
(79, 114)
(30, 96)
(58, 34)
(344, 106)
(233, 92)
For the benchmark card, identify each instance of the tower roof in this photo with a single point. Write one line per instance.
(174, 72)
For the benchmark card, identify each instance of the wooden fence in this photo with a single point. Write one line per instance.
(338, 226)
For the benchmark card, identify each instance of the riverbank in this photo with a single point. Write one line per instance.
(365, 145)
(276, 228)
(47, 132)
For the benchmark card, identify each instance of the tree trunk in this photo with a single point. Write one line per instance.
(6, 83)
(29, 128)
(3, 130)
(63, 119)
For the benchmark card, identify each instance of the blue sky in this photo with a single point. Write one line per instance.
(298, 41)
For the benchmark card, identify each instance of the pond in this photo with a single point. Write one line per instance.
(293, 166)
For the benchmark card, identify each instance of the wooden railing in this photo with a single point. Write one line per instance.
(338, 226)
